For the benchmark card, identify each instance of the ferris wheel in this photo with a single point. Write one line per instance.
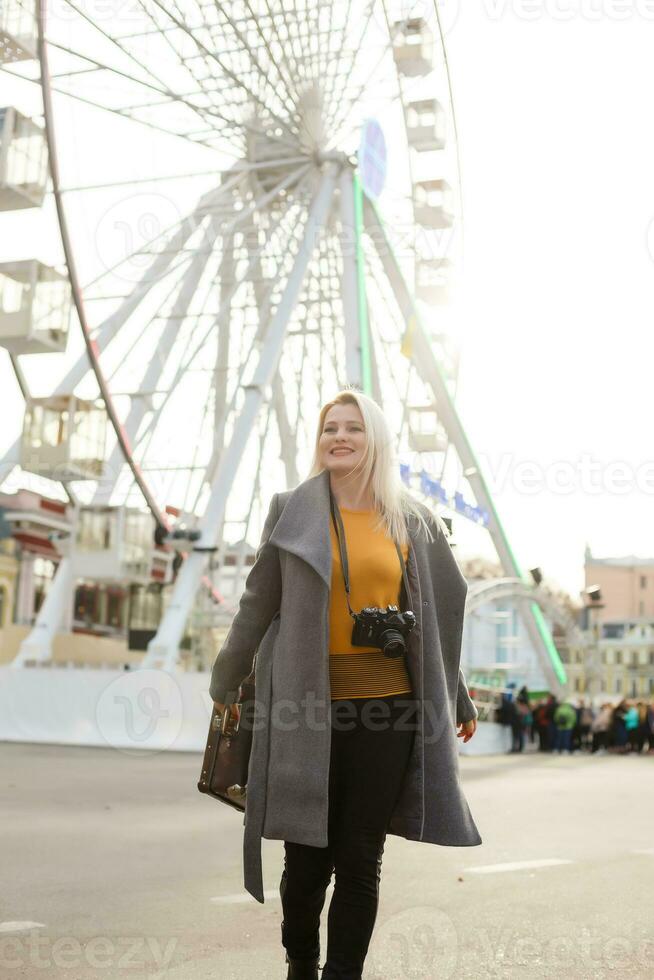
(257, 203)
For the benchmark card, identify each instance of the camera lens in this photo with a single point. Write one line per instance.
(392, 643)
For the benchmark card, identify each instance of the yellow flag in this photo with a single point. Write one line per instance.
(407, 340)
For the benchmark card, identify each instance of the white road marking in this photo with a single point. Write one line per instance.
(240, 897)
(518, 865)
(20, 926)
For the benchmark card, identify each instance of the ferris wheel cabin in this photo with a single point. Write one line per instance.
(426, 124)
(35, 305)
(434, 203)
(426, 433)
(18, 31)
(413, 47)
(433, 280)
(23, 161)
(114, 544)
(64, 438)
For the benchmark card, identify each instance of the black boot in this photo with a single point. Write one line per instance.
(302, 969)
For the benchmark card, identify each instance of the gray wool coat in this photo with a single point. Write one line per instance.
(283, 617)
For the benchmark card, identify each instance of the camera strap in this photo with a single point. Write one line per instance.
(342, 546)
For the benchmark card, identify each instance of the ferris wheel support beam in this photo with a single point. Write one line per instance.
(163, 649)
(10, 459)
(424, 360)
(228, 288)
(350, 282)
(37, 645)
(287, 438)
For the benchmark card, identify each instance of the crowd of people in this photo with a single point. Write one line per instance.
(564, 726)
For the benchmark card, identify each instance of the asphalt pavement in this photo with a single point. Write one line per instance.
(115, 866)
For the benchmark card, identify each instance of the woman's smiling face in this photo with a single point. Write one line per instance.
(343, 439)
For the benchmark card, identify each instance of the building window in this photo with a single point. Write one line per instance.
(145, 606)
(618, 685)
(86, 604)
(44, 570)
(116, 607)
(3, 605)
(618, 656)
(641, 608)
(643, 581)
(96, 529)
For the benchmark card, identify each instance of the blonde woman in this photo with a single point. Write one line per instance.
(355, 727)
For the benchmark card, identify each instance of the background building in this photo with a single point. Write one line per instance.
(627, 585)
(618, 625)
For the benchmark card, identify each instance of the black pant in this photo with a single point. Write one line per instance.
(370, 748)
(517, 737)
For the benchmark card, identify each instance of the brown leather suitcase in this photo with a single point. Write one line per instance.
(227, 754)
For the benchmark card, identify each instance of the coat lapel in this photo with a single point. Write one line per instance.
(303, 527)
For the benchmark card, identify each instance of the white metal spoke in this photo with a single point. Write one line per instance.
(332, 73)
(341, 106)
(288, 76)
(262, 71)
(228, 72)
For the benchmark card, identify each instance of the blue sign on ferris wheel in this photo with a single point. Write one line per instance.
(372, 158)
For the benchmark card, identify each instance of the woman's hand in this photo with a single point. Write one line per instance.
(468, 729)
(234, 711)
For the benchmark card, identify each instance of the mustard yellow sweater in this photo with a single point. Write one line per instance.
(375, 580)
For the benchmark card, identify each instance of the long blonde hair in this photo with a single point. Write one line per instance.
(379, 467)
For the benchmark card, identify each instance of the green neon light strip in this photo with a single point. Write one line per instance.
(539, 619)
(366, 368)
(553, 653)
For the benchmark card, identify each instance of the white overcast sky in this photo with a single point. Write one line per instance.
(556, 122)
(556, 125)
